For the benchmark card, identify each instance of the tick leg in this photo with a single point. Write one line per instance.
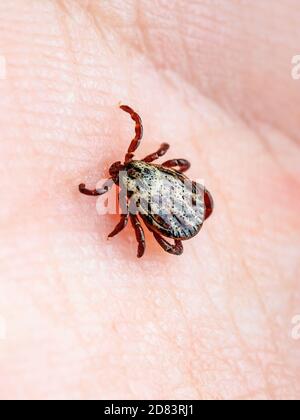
(98, 191)
(140, 235)
(161, 152)
(138, 132)
(183, 164)
(124, 216)
(120, 226)
(176, 249)
(209, 204)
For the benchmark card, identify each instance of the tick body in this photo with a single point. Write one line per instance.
(162, 196)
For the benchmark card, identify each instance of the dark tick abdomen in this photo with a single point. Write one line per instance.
(167, 200)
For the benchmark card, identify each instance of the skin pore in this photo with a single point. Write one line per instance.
(83, 317)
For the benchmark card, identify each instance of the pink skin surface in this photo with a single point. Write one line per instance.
(80, 316)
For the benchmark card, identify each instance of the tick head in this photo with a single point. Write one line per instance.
(115, 169)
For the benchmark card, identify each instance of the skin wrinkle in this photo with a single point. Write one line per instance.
(237, 334)
(191, 370)
(175, 344)
(68, 43)
(248, 275)
(157, 322)
(162, 62)
(246, 350)
(194, 348)
(193, 377)
(236, 329)
(291, 178)
(244, 345)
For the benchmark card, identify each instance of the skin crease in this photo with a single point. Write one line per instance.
(84, 318)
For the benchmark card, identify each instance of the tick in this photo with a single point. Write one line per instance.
(170, 205)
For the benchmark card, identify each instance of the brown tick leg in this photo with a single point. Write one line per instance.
(183, 164)
(98, 191)
(209, 204)
(124, 216)
(138, 132)
(161, 152)
(120, 226)
(176, 249)
(140, 235)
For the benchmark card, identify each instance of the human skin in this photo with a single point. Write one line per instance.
(84, 318)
